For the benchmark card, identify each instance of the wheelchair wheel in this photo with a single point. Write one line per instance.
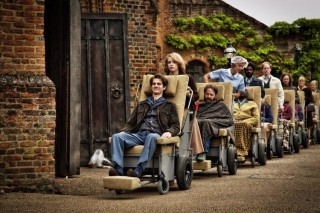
(279, 148)
(120, 191)
(296, 143)
(219, 169)
(318, 136)
(184, 173)
(269, 151)
(262, 157)
(253, 161)
(232, 161)
(163, 186)
(304, 139)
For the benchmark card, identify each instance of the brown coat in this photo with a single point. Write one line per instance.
(167, 116)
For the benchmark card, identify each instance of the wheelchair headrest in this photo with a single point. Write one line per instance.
(267, 99)
(170, 90)
(250, 93)
(289, 96)
(201, 86)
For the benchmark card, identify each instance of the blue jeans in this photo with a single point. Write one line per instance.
(123, 140)
(206, 144)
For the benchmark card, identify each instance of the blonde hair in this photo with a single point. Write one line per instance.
(176, 59)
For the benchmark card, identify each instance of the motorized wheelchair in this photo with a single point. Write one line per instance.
(222, 152)
(300, 125)
(257, 150)
(294, 140)
(274, 144)
(172, 159)
(316, 129)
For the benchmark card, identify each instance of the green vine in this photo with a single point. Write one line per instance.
(215, 31)
(307, 60)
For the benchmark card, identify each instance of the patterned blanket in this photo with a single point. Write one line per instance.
(212, 117)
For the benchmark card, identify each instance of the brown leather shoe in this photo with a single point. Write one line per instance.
(113, 172)
(131, 173)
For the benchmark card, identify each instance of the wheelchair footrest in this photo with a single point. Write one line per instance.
(121, 182)
(241, 158)
(204, 165)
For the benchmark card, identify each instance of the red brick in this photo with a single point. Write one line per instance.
(5, 145)
(28, 144)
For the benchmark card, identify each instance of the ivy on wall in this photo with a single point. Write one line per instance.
(307, 31)
(212, 34)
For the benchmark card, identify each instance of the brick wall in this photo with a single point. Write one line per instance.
(27, 97)
(21, 45)
(27, 124)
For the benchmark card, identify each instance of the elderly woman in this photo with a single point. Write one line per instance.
(301, 83)
(212, 115)
(230, 75)
(246, 116)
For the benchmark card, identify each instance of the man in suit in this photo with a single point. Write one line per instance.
(250, 80)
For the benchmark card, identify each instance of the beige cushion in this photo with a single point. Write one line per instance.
(273, 92)
(227, 92)
(170, 90)
(159, 151)
(267, 99)
(301, 98)
(254, 94)
(201, 86)
(204, 165)
(121, 182)
(179, 83)
(289, 96)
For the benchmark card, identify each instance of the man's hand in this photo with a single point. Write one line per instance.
(166, 135)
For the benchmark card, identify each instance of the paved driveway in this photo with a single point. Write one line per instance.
(290, 184)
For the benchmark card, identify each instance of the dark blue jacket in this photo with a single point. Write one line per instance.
(266, 113)
(255, 82)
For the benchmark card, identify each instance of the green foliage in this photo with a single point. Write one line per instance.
(204, 33)
(201, 33)
(307, 31)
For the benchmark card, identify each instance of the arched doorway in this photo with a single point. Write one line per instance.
(196, 69)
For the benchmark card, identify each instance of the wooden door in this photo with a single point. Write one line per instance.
(104, 80)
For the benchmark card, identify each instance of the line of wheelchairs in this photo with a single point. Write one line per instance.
(173, 158)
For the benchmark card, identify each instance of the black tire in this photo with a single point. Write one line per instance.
(232, 161)
(279, 148)
(163, 186)
(120, 191)
(269, 152)
(253, 161)
(296, 143)
(262, 157)
(219, 169)
(318, 136)
(184, 173)
(304, 139)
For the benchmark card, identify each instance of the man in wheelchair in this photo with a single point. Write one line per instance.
(212, 115)
(153, 118)
(246, 116)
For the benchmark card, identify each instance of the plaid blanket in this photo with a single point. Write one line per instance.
(242, 134)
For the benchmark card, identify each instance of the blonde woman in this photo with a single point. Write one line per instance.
(175, 65)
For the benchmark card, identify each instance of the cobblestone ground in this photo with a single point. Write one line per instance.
(290, 184)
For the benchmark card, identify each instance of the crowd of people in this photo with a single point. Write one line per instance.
(212, 114)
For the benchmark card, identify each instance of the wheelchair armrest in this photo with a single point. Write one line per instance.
(292, 124)
(255, 130)
(172, 140)
(223, 133)
(274, 126)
